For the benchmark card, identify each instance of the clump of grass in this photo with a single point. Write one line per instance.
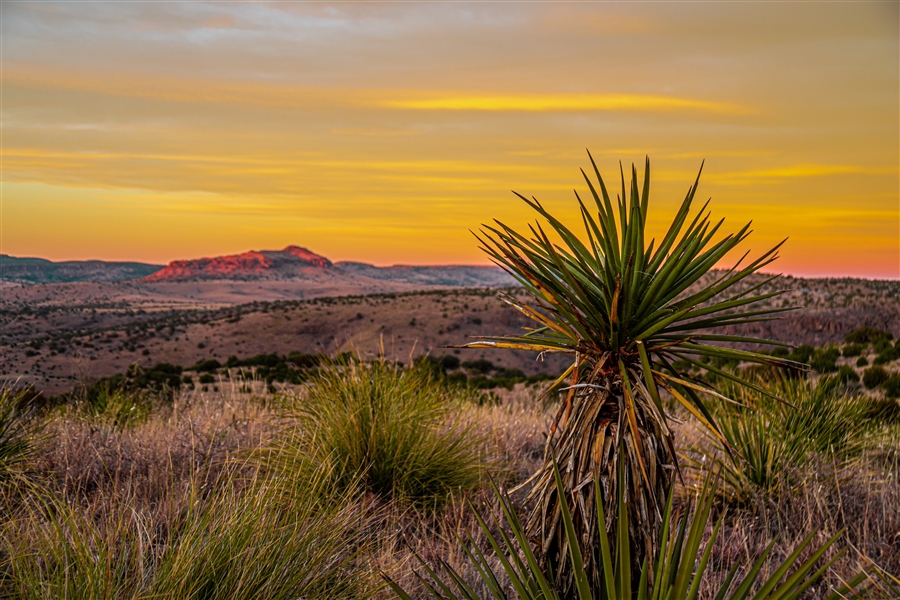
(115, 407)
(19, 431)
(243, 543)
(781, 423)
(394, 431)
(312, 543)
(51, 549)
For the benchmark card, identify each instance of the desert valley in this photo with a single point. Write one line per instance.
(99, 321)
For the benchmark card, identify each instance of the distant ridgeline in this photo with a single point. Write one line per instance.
(39, 270)
(291, 263)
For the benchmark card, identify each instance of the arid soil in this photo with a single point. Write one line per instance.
(59, 334)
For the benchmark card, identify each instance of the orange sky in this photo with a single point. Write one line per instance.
(383, 132)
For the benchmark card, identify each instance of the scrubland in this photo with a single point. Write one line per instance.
(331, 487)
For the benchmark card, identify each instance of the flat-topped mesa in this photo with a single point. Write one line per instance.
(289, 263)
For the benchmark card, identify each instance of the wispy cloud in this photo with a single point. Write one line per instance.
(566, 102)
(798, 171)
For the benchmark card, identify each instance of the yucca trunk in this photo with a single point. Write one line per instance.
(591, 429)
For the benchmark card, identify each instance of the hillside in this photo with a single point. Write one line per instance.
(54, 341)
(40, 271)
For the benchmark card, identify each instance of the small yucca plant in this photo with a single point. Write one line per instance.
(625, 310)
(677, 573)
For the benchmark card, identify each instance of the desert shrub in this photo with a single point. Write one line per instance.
(862, 361)
(846, 375)
(884, 410)
(458, 378)
(886, 355)
(206, 366)
(479, 366)
(824, 360)
(802, 353)
(449, 362)
(852, 350)
(874, 376)
(867, 335)
(207, 378)
(891, 386)
(393, 431)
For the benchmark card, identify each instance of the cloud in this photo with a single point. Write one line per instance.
(798, 171)
(566, 103)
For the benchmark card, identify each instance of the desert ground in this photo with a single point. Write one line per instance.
(54, 336)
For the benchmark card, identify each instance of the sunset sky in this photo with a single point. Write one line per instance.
(383, 132)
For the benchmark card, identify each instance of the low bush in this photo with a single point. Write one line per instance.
(891, 386)
(847, 375)
(886, 355)
(395, 432)
(862, 361)
(867, 335)
(824, 360)
(874, 376)
(852, 350)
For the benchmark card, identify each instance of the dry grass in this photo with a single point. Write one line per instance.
(153, 479)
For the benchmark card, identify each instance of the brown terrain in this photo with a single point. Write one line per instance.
(55, 335)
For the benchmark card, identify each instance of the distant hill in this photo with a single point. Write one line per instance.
(451, 275)
(292, 264)
(296, 263)
(39, 270)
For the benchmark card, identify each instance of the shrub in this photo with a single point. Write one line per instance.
(479, 366)
(851, 350)
(393, 431)
(867, 335)
(449, 362)
(886, 355)
(892, 386)
(206, 366)
(116, 407)
(207, 378)
(862, 361)
(846, 375)
(802, 353)
(824, 360)
(874, 376)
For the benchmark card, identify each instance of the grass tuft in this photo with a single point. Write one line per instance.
(396, 432)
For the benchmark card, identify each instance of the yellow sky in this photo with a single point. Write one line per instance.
(383, 132)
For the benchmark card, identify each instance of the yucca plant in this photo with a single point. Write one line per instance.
(625, 310)
(679, 568)
(774, 439)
